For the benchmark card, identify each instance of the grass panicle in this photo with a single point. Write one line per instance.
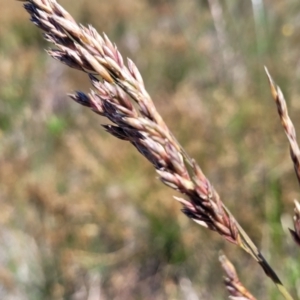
(290, 132)
(287, 124)
(234, 286)
(116, 84)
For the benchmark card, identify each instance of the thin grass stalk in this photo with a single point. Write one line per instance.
(220, 27)
(118, 85)
(296, 232)
(259, 21)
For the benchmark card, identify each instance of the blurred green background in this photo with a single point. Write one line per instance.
(83, 216)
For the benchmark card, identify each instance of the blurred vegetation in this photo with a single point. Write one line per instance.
(82, 214)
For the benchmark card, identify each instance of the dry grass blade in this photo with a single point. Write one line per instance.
(121, 83)
(234, 286)
(286, 123)
(296, 233)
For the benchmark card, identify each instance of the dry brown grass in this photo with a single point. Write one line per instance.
(61, 153)
(235, 288)
(84, 49)
(290, 132)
